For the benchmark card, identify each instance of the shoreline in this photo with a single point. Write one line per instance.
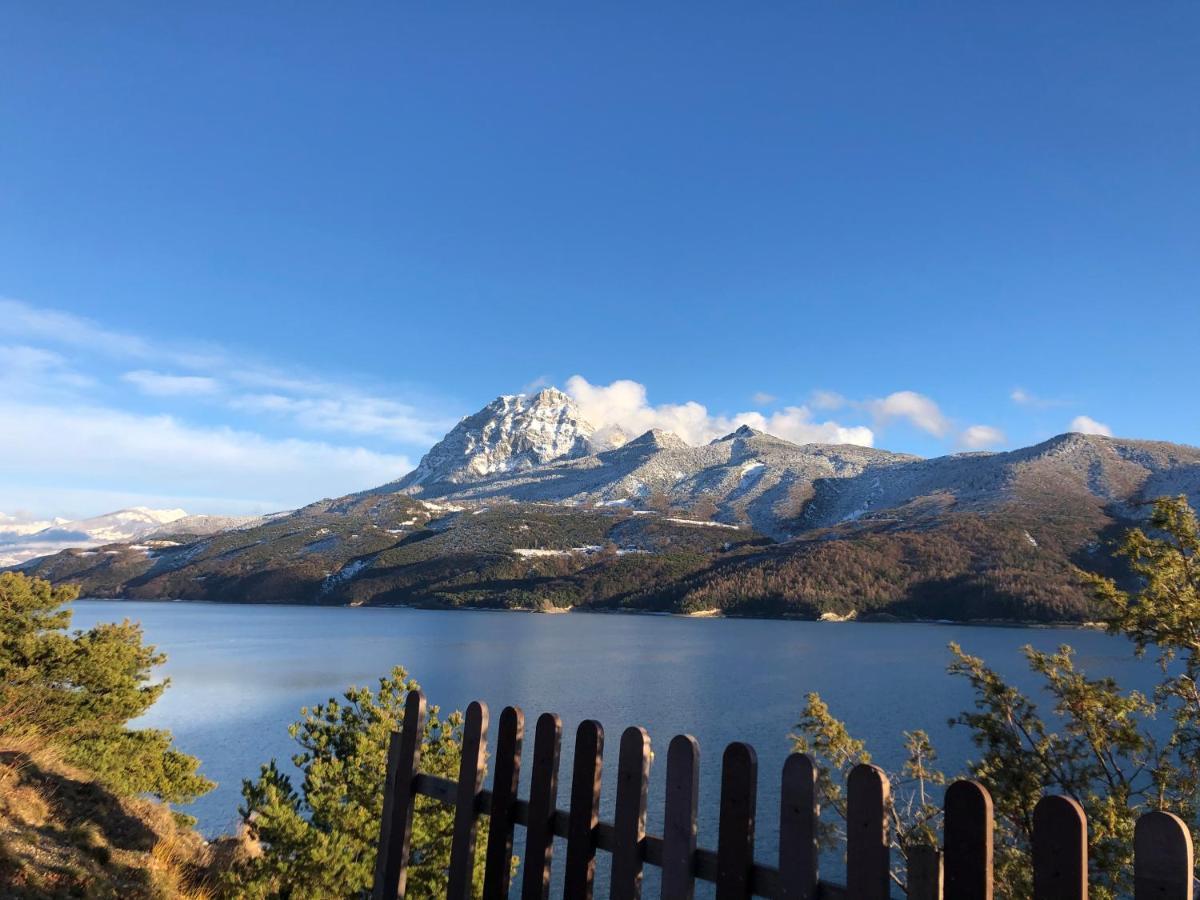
(825, 619)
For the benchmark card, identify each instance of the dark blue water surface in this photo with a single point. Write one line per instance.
(239, 675)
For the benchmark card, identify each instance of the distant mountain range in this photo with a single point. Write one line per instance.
(22, 539)
(526, 505)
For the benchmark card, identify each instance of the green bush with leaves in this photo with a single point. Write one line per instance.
(1118, 753)
(79, 690)
(320, 840)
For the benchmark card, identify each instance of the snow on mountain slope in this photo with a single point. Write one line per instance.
(511, 434)
(21, 525)
(116, 527)
(537, 449)
(1083, 471)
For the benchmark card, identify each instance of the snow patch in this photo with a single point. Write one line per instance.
(533, 553)
(702, 523)
(348, 571)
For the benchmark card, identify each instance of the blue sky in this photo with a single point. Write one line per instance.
(254, 254)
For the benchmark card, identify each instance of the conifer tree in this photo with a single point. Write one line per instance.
(79, 690)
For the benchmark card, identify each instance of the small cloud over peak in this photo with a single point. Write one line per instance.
(1022, 397)
(535, 385)
(762, 398)
(826, 400)
(917, 409)
(1088, 425)
(980, 437)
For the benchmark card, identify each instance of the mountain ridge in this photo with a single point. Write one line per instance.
(520, 507)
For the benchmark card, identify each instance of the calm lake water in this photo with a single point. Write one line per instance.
(239, 675)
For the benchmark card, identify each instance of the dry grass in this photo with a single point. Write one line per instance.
(62, 834)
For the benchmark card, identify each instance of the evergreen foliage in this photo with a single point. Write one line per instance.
(1098, 744)
(320, 840)
(79, 690)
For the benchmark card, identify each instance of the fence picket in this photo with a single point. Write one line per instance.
(395, 828)
(1162, 860)
(543, 800)
(629, 822)
(735, 831)
(968, 829)
(868, 855)
(925, 873)
(497, 874)
(585, 810)
(466, 820)
(679, 829)
(798, 812)
(1060, 869)
(1163, 853)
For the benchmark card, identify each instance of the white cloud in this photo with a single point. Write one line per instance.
(826, 400)
(624, 404)
(977, 437)
(1022, 397)
(313, 403)
(762, 398)
(351, 414)
(25, 371)
(1088, 425)
(30, 321)
(79, 448)
(910, 406)
(158, 384)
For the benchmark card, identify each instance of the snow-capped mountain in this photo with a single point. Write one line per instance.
(513, 433)
(518, 507)
(116, 527)
(18, 525)
(539, 449)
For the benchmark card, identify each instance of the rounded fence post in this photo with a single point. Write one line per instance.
(543, 800)
(585, 810)
(735, 828)
(629, 821)
(466, 820)
(967, 842)
(868, 851)
(798, 815)
(1162, 858)
(497, 875)
(395, 829)
(1060, 866)
(679, 819)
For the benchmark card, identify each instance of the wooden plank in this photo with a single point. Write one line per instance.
(924, 873)
(1059, 850)
(798, 813)
(735, 830)
(497, 873)
(585, 810)
(543, 799)
(395, 829)
(629, 821)
(868, 855)
(470, 782)
(679, 828)
(968, 842)
(1162, 860)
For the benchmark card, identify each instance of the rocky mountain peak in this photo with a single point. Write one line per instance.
(513, 433)
(658, 439)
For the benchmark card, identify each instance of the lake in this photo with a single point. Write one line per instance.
(239, 675)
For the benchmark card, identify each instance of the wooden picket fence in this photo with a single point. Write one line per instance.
(960, 870)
